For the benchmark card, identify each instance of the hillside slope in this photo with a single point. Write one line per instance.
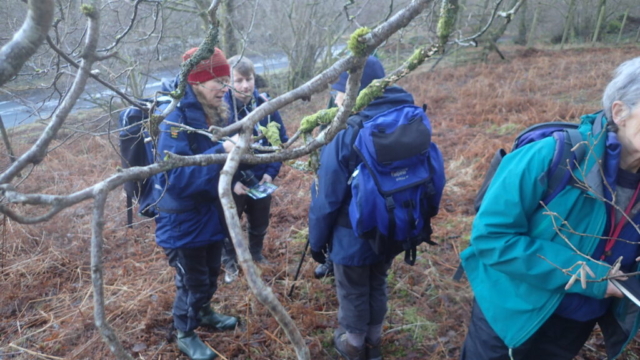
(46, 300)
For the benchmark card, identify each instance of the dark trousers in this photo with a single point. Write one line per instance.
(362, 295)
(257, 211)
(557, 339)
(197, 271)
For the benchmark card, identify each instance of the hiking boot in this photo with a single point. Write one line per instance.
(346, 349)
(190, 344)
(373, 352)
(210, 318)
(323, 270)
(230, 272)
(260, 259)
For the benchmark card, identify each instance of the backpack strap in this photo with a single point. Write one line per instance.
(565, 159)
(357, 122)
(390, 205)
(264, 96)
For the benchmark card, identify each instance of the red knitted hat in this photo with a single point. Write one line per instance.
(211, 68)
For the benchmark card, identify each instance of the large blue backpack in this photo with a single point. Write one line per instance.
(397, 185)
(136, 149)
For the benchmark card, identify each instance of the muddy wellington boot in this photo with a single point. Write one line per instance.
(210, 318)
(373, 351)
(191, 345)
(345, 348)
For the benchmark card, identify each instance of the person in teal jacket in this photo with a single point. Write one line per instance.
(522, 254)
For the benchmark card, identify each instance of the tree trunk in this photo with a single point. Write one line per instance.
(482, 19)
(5, 139)
(601, 8)
(521, 38)
(202, 6)
(534, 22)
(568, 24)
(624, 21)
(495, 34)
(229, 43)
(463, 5)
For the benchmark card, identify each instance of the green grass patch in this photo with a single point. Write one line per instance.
(504, 129)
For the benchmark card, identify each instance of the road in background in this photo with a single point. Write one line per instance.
(21, 112)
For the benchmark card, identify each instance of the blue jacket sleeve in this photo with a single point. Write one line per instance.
(329, 192)
(273, 169)
(189, 181)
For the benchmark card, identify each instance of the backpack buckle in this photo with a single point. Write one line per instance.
(389, 203)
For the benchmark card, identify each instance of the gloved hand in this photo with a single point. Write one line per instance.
(319, 256)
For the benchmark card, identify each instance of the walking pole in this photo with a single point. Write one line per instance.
(295, 278)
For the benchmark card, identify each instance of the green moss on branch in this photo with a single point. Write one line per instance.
(354, 44)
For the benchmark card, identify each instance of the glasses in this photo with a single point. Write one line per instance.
(221, 85)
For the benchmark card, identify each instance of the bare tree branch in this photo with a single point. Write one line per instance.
(39, 150)
(465, 41)
(97, 244)
(68, 59)
(27, 40)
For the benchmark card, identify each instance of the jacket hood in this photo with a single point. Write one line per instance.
(189, 100)
(170, 84)
(393, 96)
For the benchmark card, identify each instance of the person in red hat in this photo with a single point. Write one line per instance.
(189, 226)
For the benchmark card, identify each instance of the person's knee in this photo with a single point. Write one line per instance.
(258, 230)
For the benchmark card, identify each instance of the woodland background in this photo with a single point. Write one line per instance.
(479, 98)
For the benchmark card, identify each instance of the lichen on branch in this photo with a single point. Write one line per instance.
(272, 133)
(447, 21)
(88, 10)
(322, 117)
(357, 47)
(372, 91)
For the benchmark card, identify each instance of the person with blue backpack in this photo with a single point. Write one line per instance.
(362, 247)
(242, 99)
(189, 226)
(543, 271)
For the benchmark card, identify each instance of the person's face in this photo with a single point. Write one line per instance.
(628, 121)
(244, 86)
(339, 99)
(212, 91)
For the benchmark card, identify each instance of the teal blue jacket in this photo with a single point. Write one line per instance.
(519, 248)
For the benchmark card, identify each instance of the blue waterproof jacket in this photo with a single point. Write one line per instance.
(331, 194)
(239, 111)
(187, 210)
(518, 247)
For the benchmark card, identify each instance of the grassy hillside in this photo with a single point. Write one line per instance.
(46, 300)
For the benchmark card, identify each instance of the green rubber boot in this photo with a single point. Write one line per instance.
(190, 344)
(210, 318)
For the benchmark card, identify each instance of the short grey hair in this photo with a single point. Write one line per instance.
(624, 87)
(242, 65)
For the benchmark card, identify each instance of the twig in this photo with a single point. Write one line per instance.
(39, 355)
(408, 326)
